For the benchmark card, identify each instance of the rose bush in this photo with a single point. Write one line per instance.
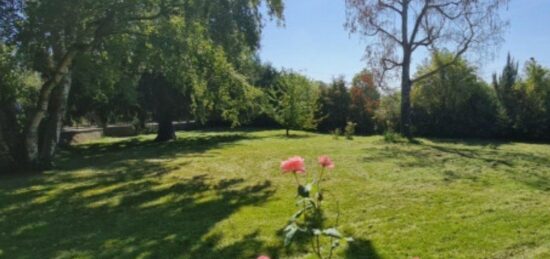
(309, 219)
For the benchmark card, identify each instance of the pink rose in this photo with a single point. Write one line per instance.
(325, 162)
(294, 164)
(263, 257)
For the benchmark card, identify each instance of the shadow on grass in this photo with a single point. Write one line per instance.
(361, 249)
(126, 213)
(101, 155)
(130, 208)
(523, 167)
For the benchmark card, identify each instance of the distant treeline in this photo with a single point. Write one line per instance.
(454, 103)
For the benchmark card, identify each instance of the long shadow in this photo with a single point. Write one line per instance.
(124, 216)
(101, 155)
(130, 208)
(518, 166)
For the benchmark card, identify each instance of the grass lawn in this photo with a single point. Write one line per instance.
(221, 195)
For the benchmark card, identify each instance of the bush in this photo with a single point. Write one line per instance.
(336, 133)
(391, 136)
(309, 219)
(388, 113)
(349, 131)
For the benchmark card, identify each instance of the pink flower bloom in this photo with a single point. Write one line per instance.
(325, 161)
(263, 257)
(294, 164)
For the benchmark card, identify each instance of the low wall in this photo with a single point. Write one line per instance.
(79, 135)
(71, 136)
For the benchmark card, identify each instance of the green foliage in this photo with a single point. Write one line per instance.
(293, 101)
(335, 103)
(388, 113)
(524, 102)
(336, 133)
(453, 102)
(533, 102)
(18, 85)
(206, 195)
(349, 130)
(309, 219)
(391, 136)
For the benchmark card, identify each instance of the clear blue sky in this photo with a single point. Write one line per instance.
(315, 42)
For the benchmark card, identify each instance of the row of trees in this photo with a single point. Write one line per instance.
(456, 102)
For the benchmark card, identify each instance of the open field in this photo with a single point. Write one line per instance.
(222, 195)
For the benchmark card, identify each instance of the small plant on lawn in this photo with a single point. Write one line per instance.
(309, 220)
(336, 133)
(349, 131)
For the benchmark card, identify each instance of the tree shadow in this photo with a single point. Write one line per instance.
(128, 215)
(523, 167)
(133, 207)
(361, 249)
(102, 155)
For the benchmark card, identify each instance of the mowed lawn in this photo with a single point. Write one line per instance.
(222, 195)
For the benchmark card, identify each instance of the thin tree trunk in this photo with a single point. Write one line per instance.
(54, 123)
(32, 128)
(10, 148)
(287, 132)
(166, 129)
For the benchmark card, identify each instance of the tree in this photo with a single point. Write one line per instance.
(402, 27)
(454, 102)
(533, 95)
(293, 102)
(507, 95)
(52, 34)
(334, 105)
(365, 99)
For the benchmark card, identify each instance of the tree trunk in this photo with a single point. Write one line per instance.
(406, 82)
(287, 132)
(54, 122)
(165, 130)
(10, 140)
(406, 107)
(32, 128)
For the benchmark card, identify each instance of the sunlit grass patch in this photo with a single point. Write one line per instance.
(221, 195)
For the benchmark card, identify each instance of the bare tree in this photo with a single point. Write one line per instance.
(402, 27)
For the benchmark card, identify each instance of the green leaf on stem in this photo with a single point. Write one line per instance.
(296, 215)
(290, 232)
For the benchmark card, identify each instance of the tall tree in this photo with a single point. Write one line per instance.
(52, 34)
(293, 102)
(365, 99)
(335, 105)
(533, 95)
(507, 95)
(402, 27)
(454, 102)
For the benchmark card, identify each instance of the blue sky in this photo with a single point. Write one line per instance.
(315, 42)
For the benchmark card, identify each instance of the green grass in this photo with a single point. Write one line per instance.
(221, 195)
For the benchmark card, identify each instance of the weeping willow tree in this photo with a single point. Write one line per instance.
(197, 46)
